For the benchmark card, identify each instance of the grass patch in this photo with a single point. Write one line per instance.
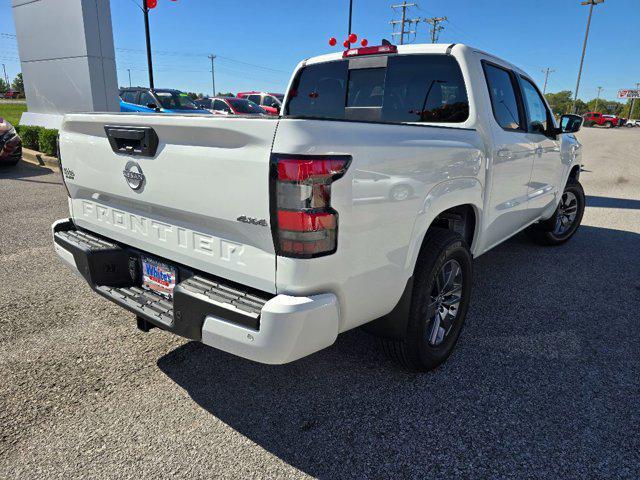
(12, 111)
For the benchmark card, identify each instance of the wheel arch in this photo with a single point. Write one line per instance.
(454, 204)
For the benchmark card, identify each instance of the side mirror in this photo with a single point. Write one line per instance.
(570, 123)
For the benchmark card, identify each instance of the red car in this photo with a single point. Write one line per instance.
(596, 118)
(230, 106)
(11, 94)
(10, 144)
(271, 102)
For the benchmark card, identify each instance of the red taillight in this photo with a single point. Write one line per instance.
(376, 50)
(303, 222)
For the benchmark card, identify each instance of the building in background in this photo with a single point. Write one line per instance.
(67, 58)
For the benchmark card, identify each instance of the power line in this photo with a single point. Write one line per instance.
(404, 21)
(436, 28)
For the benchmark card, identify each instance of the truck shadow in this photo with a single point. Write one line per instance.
(541, 378)
(27, 172)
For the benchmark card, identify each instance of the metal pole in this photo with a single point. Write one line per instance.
(584, 49)
(6, 79)
(145, 11)
(213, 80)
(129, 70)
(350, 16)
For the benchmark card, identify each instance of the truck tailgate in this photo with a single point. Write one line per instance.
(202, 199)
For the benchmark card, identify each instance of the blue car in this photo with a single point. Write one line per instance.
(140, 99)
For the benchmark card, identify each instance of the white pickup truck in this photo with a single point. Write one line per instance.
(388, 170)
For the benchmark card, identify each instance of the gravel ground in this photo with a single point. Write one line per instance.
(544, 382)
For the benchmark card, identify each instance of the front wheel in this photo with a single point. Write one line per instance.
(608, 125)
(440, 298)
(566, 219)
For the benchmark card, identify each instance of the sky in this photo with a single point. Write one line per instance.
(258, 43)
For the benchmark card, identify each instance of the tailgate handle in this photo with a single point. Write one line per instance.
(142, 141)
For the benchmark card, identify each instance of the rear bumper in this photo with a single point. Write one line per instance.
(251, 324)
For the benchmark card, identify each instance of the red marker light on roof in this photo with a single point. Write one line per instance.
(333, 41)
(377, 50)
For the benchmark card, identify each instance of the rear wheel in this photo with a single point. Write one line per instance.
(608, 125)
(440, 299)
(566, 219)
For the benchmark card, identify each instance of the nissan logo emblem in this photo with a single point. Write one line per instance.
(133, 175)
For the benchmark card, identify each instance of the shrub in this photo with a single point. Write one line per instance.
(29, 135)
(47, 141)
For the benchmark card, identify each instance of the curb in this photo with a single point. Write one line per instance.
(38, 158)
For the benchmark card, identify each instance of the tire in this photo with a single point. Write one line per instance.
(608, 125)
(400, 193)
(551, 232)
(424, 347)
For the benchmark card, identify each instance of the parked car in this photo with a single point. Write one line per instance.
(632, 123)
(248, 236)
(11, 94)
(617, 121)
(230, 106)
(10, 144)
(592, 119)
(271, 102)
(145, 100)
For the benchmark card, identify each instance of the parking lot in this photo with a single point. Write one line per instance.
(545, 381)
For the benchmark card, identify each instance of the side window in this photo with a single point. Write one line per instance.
(254, 98)
(537, 115)
(221, 106)
(146, 99)
(129, 96)
(503, 97)
(424, 88)
(269, 101)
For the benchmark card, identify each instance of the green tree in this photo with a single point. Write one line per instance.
(18, 83)
(560, 102)
(3, 85)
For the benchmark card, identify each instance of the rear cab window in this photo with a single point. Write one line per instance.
(415, 88)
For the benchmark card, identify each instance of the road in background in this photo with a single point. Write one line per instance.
(544, 381)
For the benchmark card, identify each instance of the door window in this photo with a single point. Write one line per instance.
(254, 98)
(146, 98)
(502, 91)
(537, 115)
(269, 101)
(129, 96)
(221, 106)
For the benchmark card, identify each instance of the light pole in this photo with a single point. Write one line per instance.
(145, 11)
(213, 79)
(591, 4)
(598, 98)
(129, 71)
(350, 16)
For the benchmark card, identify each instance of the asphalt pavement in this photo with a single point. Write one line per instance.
(544, 383)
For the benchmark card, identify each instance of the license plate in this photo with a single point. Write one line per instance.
(158, 277)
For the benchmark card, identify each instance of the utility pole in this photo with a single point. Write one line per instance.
(212, 57)
(145, 11)
(129, 71)
(404, 21)
(547, 71)
(598, 98)
(591, 4)
(6, 79)
(436, 28)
